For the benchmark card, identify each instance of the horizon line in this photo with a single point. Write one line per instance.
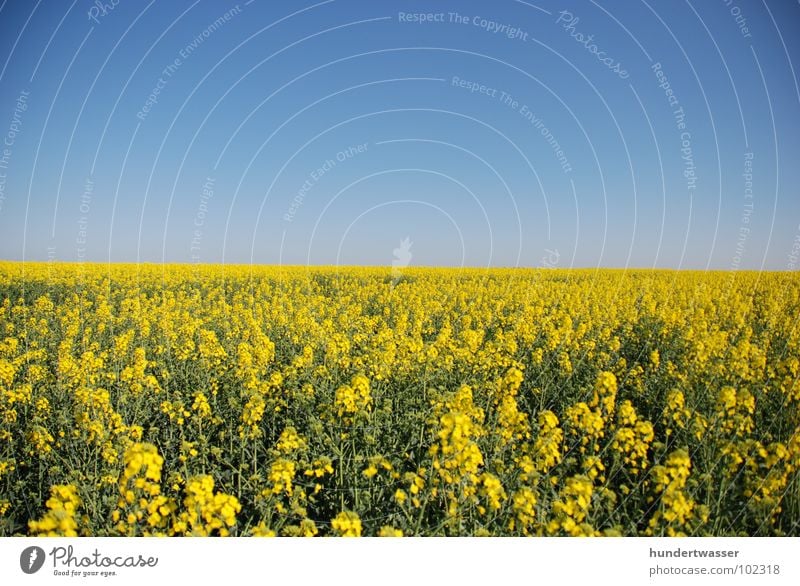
(411, 267)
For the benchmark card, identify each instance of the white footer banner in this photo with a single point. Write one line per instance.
(408, 561)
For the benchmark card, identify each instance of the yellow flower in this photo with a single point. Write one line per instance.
(547, 447)
(347, 524)
(290, 441)
(261, 530)
(206, 512)
(524, 506)
(59, 520)
(201, 406)
(251, 417)
(572, 509)
(353, 398)
(492, 489)
(320, 467)
(281, 475)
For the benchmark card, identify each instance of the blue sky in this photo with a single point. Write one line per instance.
(503, 133)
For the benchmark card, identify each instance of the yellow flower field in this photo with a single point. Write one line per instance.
(237, 400)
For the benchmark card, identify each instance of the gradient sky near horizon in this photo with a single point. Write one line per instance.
(507, 133)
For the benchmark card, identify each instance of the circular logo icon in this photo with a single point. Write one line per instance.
(31, 559)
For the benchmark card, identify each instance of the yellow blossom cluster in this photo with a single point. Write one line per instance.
(59, 520)
(457, 457)
(677, 508)
(572, 508)
(206, 512)
(141, 508)
(632, 438)
(347, 524)
(353, 398)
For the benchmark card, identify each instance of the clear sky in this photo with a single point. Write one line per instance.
(504, 133)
